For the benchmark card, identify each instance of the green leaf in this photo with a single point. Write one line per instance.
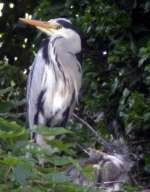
(115, 85)
(58, 177)
(22, 173)
(76, 188)
(11, 134)
(76, 164)
(12, 125)
(35, 149)
(2, 171)
(11, 160)
(58, 161)
(3, 91)
(6, 134)
(3, 187)
(146, 116)
(6, 106)
(129, 128)
(61, 146)
(143, 59)
(46, 131)
(126, 92)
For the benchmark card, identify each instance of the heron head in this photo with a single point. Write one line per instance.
(118, 149)
(60, 26)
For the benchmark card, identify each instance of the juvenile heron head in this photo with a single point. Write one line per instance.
(119, 149)
(110, 169)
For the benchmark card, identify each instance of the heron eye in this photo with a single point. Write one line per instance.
(59, 27)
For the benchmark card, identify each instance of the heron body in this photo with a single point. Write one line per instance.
(55, 77)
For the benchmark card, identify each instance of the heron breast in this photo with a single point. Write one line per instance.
(56, 95)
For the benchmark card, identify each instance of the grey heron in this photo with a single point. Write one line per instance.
(55, 76)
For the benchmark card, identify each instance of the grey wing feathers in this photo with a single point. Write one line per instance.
(34, 86)
(110, 172)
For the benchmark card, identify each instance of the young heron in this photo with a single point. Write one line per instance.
(55, 77)
(110, 169)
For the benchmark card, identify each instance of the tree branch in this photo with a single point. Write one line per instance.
(100, 139)
(139, 142)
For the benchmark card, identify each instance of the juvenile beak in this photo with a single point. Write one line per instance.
(40, 24)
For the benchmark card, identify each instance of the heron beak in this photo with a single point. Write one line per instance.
(42, 25)
(102, 153)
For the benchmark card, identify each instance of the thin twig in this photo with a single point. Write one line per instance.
(85, 151)
(138, 142)
(137, 164)
(100, 139)
(111, 182)
(133, 179)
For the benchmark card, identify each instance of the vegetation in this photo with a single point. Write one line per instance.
(114, 97)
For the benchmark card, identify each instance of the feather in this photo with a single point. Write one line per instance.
(53, 84)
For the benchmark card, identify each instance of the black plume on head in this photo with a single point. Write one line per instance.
(119, 147)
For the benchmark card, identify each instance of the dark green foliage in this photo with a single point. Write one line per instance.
(114, 96)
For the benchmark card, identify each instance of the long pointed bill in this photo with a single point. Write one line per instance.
(40, 24)
(94, 152)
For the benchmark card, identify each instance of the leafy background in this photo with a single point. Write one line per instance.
(114, 98)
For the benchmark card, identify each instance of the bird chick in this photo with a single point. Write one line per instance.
(110, 169)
